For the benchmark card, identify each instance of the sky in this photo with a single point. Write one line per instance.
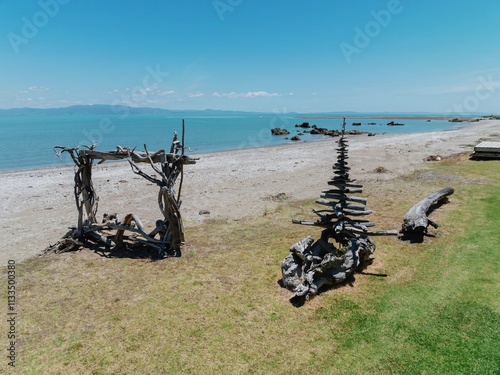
(253, 55)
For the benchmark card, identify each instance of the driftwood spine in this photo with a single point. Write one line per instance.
(344, 246)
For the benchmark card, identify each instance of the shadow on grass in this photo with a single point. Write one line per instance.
(374, 274)
(299, 301)
(130, 251)
(416, 236)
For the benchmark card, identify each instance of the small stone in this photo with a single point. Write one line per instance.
(204, 212)
(380, 170)
(434, 158)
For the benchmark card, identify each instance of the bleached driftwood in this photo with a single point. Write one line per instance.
(344, 246)
(167, 237)
(416, 221)
(312, 265)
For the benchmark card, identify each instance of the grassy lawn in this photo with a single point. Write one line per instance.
(219, 309)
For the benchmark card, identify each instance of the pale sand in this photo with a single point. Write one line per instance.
(38, 205)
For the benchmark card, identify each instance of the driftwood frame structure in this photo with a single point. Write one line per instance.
(167, 237)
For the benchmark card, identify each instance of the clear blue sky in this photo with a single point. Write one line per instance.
(252, 55)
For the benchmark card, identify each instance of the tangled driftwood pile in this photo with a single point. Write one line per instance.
(344, 246)
(168, 235)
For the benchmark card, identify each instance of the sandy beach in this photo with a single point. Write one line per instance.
(38, 205)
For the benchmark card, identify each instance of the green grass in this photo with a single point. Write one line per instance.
(446, 320)
(219, 309)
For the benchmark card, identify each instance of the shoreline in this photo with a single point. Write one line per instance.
(38, 205)
(284, 144)
(399, 117)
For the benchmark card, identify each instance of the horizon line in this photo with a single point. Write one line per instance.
(451, 114)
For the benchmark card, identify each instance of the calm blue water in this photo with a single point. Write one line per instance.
(27, 141)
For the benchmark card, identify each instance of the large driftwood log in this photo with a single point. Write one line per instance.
(416, 221)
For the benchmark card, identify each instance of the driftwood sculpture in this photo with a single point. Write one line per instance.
(168, 235)
(344, 246)
(416, 221)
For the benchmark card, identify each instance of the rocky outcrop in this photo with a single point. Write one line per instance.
(279, 131)
(334, 133)
(325, 131)
(303, 125)
(355, 132)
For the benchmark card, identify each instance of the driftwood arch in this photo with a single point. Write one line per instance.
(167, 237)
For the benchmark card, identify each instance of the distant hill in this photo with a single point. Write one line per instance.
(103, 109)
(96, 109)
(109, 109)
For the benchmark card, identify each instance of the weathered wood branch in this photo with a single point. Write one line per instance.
(390, 232)
(415, 222)
(327, 194)
(137, 170)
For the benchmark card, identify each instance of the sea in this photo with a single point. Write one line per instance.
(27, 141)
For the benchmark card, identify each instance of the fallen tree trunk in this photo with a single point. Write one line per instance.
(416, 221)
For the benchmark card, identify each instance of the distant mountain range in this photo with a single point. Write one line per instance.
(103, 109)
(109, 109)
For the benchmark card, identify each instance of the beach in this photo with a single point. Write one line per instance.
(38, 205)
